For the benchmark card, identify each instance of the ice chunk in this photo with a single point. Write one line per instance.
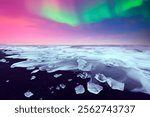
(114, 84)
(83, 65)
(101, 78)
(57, 75)
(7, 81)
(35, 71)
(94, 88)
(57, 88)
(28, 94)
(62, 86)
(50, 88)
(84, 75)
(3, 61)
(33, 77)
(69, 80)
(79, 89)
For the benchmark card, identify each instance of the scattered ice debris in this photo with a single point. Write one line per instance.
(35, 71)
(52, 92)
(28, 94)
(94, 88)
(3, 61)
(57, 88)
(114, 84)
(50, 88)
(69, 80)
(33, 77)
(83, 65)
(79, 89)
(62, 86)
(83, 75)
(101, 78)
(7, 81)
(57, 75)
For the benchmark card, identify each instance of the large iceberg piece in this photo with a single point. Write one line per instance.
(94, 88)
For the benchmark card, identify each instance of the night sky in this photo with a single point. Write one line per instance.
(100, 22)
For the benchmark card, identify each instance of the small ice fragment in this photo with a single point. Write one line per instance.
(115, 84)
(69, 80)
(62, 86)
(57, 88)
(7, 81)
(84, 75)
(33, 77)
(50, 88)
(35, 71)
(3, 61)
(57, 75)
(52, 92)
(101, 78)
(28, 94)
(79, 89)
(94, 88)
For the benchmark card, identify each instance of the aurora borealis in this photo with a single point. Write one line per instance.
(74, 22)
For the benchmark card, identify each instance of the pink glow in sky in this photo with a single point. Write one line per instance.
(20, 26)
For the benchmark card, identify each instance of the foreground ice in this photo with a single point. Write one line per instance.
(125, 67)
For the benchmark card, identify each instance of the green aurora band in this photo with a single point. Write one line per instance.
(98, 11)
